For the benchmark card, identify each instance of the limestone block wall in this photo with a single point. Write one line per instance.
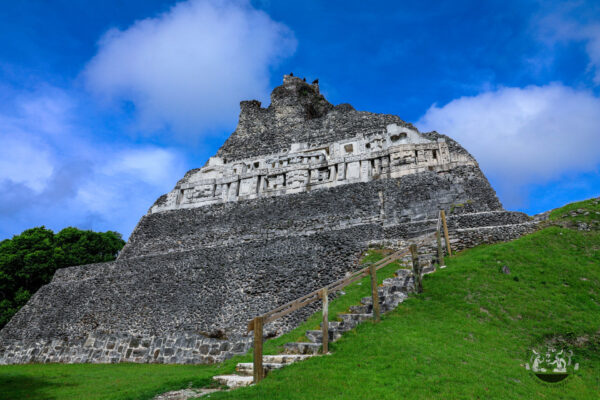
(403, 200)
(200, 294)
(106, 349)
(470, 237)
(192, 307)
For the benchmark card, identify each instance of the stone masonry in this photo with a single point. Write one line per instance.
(287, 205)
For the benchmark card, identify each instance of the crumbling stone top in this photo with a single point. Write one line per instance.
(298, 113)
(301, 142)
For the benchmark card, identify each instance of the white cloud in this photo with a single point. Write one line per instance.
(26, 132)
(189, 67)
(186, 69)
(130, 179)
(25, 160)
(49, 111)
(563, 26)
(525, 135)
(592, 37)
(152, 165)
(52, 173)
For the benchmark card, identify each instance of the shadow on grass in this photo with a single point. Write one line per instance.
(17, 387)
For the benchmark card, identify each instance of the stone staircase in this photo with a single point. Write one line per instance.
(393, 292)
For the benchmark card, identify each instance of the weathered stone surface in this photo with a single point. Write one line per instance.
(195, 271)
(396, 152)
(185, 394)
(407, 203)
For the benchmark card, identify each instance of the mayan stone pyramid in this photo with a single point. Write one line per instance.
(287, 205)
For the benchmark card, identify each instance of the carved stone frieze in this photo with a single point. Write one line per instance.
(396, 152)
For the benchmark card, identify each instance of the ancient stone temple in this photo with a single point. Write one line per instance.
(288, 204)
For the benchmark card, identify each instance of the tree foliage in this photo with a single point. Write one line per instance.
(29, 260)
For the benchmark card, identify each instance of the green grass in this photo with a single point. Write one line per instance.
(576, 212)
(467, 336)
(143, 381)
(101, 381)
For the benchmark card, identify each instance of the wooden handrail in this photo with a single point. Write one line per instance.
(313, 296)
(258, 322)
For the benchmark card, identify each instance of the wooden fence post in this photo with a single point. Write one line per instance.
(416, 268)
(259, 372)
(440, 251)
(374, 294)
(325, 325)
(446, 232)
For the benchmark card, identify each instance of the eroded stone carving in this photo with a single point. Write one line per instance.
(396, 152)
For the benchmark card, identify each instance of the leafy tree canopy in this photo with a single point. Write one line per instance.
(29, 260)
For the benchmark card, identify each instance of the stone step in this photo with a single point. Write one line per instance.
(366, 301)
(396, 289)
(346, 325)
(392, 302)
(316, 336)
(339, 326)
(406, 281)
(393, 281)
(397, 297)
(403, 273)
(234, 381)
(355, 318)
(383, 291)
(285, 358)
(429, 269)
(387, 303)
(363, 309)
(391, 293)
(247, 369)
(302, 348)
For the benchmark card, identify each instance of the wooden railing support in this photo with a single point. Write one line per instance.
(440, 251)
(257, 323)
(259, 372)
(325, 324)
(416, 267)
(446, 232)
(374, 294)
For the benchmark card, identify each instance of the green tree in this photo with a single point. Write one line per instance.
(29, 260)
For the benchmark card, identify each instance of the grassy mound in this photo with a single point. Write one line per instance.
(467, 336)
(470, 333)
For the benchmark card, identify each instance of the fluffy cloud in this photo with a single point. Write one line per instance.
(189, 67)
(523, 136)
(573, 22)
(25, 160)
(146, 163)
(186, 69)
(52, 173)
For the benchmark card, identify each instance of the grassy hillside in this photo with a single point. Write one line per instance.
(467, 336)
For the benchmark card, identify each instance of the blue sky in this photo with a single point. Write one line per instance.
(105, 105)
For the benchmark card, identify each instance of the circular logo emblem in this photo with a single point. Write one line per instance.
(551, 363)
